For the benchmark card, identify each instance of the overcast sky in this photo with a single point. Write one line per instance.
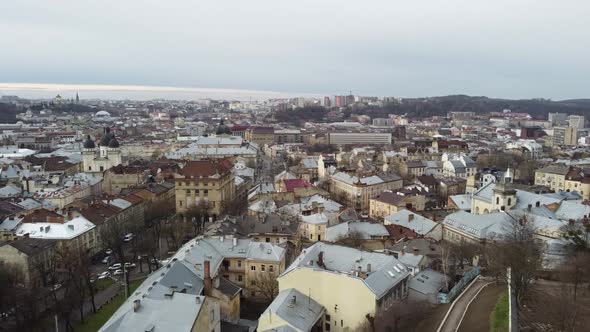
(501, 48)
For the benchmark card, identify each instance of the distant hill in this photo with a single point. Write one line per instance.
(440, 106)
(7, 113)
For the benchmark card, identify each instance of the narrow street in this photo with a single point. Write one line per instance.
(454, 316)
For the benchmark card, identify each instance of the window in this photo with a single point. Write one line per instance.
(89, 168)
(253, 282)
(180, 203)
(341, 323)
(205, 184)
(101, 168)
(509, 201)
(205, 192)
(197, 191)
(188, 191)
(267, 239)
(252, 268)
(262, 268)
(239, 263)
(271, 268)
(239, 277)
(226, 276)
(497, 200)
(328, 317)
(327, 326)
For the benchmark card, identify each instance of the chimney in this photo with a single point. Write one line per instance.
(529, 207)
(294, 300)
(369, 267)
(403, 250)
(234, 241)
(69, 214)
(136, 305)
(415, 251)
(538, 204)
(207, 279)
(410, 217)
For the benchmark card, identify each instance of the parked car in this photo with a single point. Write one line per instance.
(128, 237)
(55, 287)
(115, 266)
(8, 313)
(118, 272)
(106, 260)
(129, 265)
(93, 278)
(104, 275)
(109, 252)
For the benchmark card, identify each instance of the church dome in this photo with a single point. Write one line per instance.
(113, 143)
(106, 137)
(89, 143)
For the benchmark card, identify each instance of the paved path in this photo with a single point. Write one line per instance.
(455, 314)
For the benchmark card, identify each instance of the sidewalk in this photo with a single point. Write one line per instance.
(455, 315)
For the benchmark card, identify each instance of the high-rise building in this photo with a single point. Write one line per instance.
(339, 101)
(565, 136)
(327, 102)
(557, 119)
(576, 121)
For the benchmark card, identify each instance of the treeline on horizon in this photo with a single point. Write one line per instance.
(441, 106)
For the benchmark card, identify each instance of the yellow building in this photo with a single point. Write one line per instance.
(313, 227)
(388, 203)
(210, 181)
(77, 234)
(356, 192)
(260, 135)
(347, 283)
(29, 255)
(552, 176)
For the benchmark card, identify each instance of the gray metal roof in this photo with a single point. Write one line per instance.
(418, 224)
(301, 314)
(386, 271)
(427, 282)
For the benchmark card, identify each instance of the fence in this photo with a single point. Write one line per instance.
(466, 279)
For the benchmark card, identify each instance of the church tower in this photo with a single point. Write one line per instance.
(504, 193)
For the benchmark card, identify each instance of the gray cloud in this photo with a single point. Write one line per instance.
(509, 48)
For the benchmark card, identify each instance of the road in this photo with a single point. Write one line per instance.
(455, 314)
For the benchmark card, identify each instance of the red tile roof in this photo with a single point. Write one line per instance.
(206, 168)
(292, 184)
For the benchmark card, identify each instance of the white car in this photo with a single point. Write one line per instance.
(118, 272)
(56, 287)
(108, 251)
(104, 275)
(115, 266)
(106, 260)
(128, 237)
(129, 265)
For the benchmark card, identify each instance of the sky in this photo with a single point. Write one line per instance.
(500, 48)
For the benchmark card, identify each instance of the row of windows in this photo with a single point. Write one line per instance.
(271, 268)
(205, 192)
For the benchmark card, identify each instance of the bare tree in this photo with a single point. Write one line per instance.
(519, 250)
(197, 215)
(402, 316)
(266, 284)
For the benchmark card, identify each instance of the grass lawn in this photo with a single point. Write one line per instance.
(93, 322)
(103, 283)
(499, 317)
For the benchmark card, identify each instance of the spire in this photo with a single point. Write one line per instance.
(77, 98)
